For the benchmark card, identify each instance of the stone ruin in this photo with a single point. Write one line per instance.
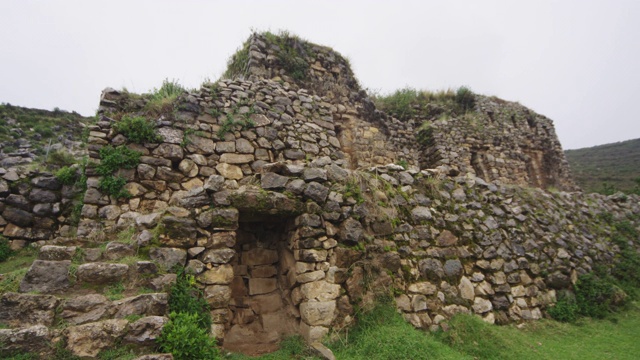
(282, 193)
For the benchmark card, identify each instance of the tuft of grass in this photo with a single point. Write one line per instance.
(5, 249)
(114, 292)
(137, 129)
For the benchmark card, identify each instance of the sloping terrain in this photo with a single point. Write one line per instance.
(616, 164)
(26, 134)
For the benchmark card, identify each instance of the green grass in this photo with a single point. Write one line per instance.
(383, 334)
(39, 126)
(14, 269)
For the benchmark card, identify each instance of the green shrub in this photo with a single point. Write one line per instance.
(183, 338)
(595, 296)
(67, 175)
(465, 98)
(138, 130)
(185, 297)
(114, 186)
(565, 309)
(113, 159)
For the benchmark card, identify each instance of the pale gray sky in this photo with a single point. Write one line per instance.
(577, 62)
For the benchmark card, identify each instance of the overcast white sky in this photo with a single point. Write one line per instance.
(577, 62)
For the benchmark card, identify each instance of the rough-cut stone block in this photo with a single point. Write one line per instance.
(168, 257)
(20, 310)
(46, 277)
(318, 313)
(320, 290)
(144, 304)
(220, 275)
(145, 331)
(86, 308)
(102, 273)
(259, 256)
(218, 296)
(424, 288)
(32, 339)
(231, 158)
(56, 253)
(89, 339)
(259, 286)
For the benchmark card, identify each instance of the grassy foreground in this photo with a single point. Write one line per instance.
(383, 334)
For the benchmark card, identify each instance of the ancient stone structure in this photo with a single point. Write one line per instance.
(283, 197)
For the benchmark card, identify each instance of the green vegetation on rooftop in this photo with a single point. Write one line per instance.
(407, 103)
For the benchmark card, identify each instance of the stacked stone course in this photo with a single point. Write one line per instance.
(282, 197)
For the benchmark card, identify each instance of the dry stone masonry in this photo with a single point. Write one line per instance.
(279, 190)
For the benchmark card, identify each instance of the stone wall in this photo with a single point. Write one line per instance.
(500, 141)
(280, 230)
(34, 206)
(286, 205)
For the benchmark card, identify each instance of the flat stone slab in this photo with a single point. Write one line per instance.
(102, 273)
(46, 276)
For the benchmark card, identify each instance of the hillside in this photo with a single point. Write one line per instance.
(616, 164)
(26, 133)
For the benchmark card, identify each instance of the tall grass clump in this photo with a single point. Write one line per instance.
(137, 129)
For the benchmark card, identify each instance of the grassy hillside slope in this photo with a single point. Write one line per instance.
(616, 164)
(20, 127)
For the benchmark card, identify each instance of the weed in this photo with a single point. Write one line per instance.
(138, 130)
(114, 158)
(117, 353)
(126, 236)
(60, 158)
(67, 175)
(114, 186)
(5, 249)
(11, 281)
(353, 190)
(114, 292)
(237, 64)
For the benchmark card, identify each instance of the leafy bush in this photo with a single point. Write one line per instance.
(5, 249)
(138, 130)
(186, 335)
(184, 297)
(67, 175)
(112, 159)
(595, 296)
(114, 186)
(565, 309)
(183, 338)
(465, 98)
